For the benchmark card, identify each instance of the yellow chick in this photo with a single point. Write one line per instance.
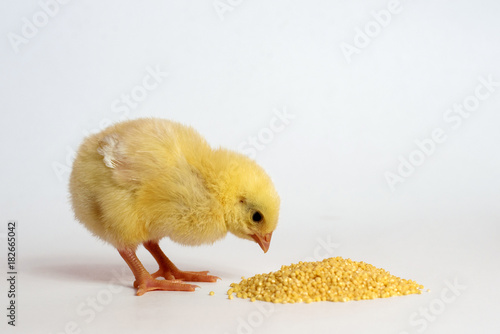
(139, 181)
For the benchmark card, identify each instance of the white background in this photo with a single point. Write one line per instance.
(354, 117)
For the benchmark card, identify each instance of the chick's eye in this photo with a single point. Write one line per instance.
(257, 217)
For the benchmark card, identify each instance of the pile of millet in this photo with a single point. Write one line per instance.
(334, 279)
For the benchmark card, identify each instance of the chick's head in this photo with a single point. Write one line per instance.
(251, 200)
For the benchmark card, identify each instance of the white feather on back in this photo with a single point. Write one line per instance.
(109, 148)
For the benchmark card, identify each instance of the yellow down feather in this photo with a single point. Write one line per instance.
(146, 179)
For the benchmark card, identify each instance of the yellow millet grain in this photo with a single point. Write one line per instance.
(335, 279)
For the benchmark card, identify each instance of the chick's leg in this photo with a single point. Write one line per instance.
(169, 271)
(144, 282)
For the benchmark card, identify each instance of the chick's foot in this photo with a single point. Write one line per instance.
(170, 272)
(144, 282)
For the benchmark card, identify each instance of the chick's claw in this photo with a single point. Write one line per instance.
(136, 282)
(197, 276)
(189, 276)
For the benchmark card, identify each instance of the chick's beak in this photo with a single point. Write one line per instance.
(263, 240)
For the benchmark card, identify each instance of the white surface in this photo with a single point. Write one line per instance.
(225, 77)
